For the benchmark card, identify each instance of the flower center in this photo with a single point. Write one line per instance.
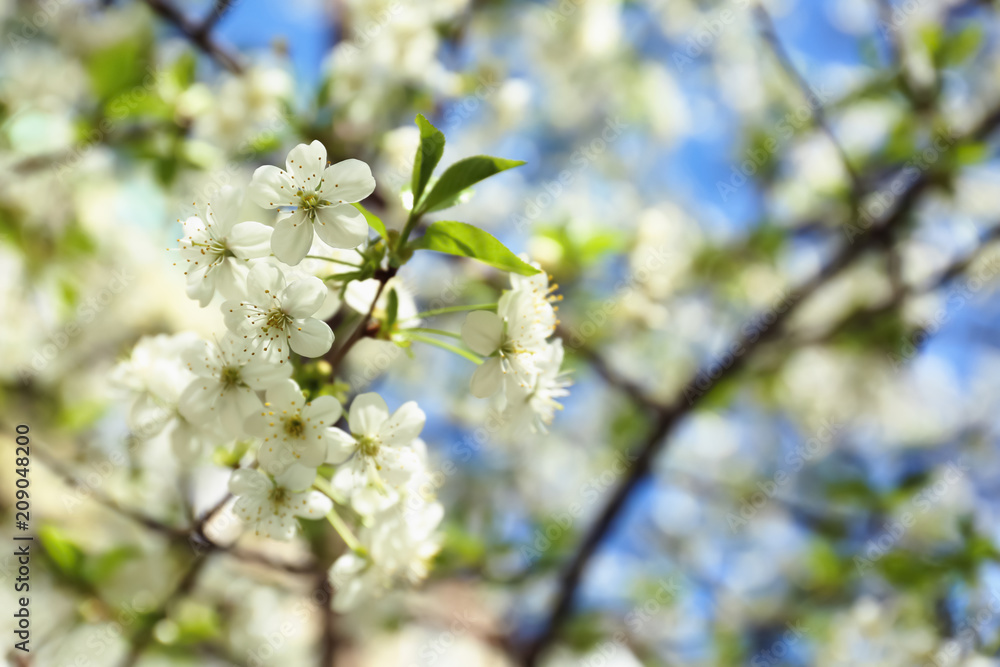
(369, 445)
(231, 376)
(310, 202)
(294, 426)
(276, 319)
(279, 495)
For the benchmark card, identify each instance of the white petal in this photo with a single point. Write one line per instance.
(203, 359)
(403, 426)
(271, 187)
(231, 278)
(310, 337)
(324, 411)
(341, 226)
(264, 283)
(292, 238)
(482, 331)
(247, 482)
(348, 181)
(487, 379)
(284, 396)
(262, 374)
(234, 406)
(311, 505)
(278, 527)
(306, 164)
(368, 413)
(340, 445)
(248, 240)
(197, 403)
(201, 286)
(398, 464)
(223, 209)
(296, 477)
(303, 297)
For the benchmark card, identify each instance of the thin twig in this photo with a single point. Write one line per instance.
(194, 34)
(785, 60)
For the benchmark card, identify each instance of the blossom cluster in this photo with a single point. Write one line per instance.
(241, 387)
(520, 358)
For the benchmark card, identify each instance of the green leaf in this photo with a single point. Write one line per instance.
(391, 308)
(373, 220)
(960, 47)
(461, 175)
(66, 555)
(464, 240)
(120, 68)
(460, 197)
(97, 569)
(428, 155)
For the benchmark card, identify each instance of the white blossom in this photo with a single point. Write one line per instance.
(397, 546)
(510, 338)
(271, 505)
(228, 378)
(294, 431)
(217, 248)
(379, 453)
(276, 319)
(535, 405)
(321, 197)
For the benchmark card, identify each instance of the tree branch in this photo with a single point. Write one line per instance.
(199, 34)
(668, 417)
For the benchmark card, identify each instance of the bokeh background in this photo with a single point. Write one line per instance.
(772, 225)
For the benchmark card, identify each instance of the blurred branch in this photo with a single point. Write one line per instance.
(784, 59)
(361, 330)
(199, 34)
(668, 417)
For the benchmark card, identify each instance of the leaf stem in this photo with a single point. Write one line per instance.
(452, 309)
(331, 259)
(437, 332)
(443, 345)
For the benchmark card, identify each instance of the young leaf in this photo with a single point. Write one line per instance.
(373, 220)
(391, 311)
(461, 175)
(464, 240)
(428, 155)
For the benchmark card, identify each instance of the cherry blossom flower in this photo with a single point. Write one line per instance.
(228, 378)
(380, 447)
(534, 405)
(510, 338)
(321, 196)
(276, 319)
(217, 248)
(397, 546)
(272, 506)
(294, 431)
